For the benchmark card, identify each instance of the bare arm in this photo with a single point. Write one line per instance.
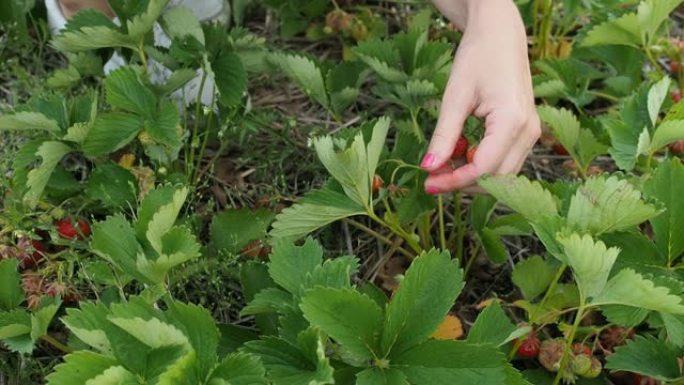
(491, 79)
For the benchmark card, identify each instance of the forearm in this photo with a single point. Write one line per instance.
(464, 12)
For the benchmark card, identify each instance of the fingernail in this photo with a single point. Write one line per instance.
(428, 160)
(432, 190)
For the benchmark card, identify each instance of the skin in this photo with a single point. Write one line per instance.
(71, 7)
(490, 79)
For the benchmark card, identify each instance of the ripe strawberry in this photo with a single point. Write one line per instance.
(67, 230)
(677, 147)
(461, 148)
(470, 155)
(559, 149)
(676, 96)
(581, 349)
(675, 67)
(378, 183)
(530, 347)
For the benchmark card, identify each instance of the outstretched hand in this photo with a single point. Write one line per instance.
(490, 79)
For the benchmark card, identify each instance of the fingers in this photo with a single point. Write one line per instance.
(508, 139)
(457, 104)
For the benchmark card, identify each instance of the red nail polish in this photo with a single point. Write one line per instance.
(432, 190)
(428, 160)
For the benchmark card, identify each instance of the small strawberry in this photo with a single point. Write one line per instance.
(470, 155)
(67, 230)
(676, 96)
(550, 354)
(677, 147)
(580, 364)
(378, 183)
(461, 148)
(675, 67)
(559, 149)
(581, 349)
(530, 347)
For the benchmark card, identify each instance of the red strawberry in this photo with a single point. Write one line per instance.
(559, 149)
(67, 230)
(461, 148)
(675, 67)
(378, 183)
(578, 348)
(530, 347)
(470, 155)
(677, 147)
(676, 96)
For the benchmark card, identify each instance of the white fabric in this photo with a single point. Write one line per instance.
(204, 10)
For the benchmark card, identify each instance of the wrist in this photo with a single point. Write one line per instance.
(463, 13)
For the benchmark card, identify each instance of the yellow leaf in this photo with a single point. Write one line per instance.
(126, 161)
(450, 329)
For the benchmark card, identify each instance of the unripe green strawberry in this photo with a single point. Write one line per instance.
(580, 364)
(595, 369)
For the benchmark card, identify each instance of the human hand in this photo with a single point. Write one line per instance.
(491, 79)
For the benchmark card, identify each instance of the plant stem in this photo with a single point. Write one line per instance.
(460, 226)
(55, 343)
(473, 256)
(604, 95)
(549, 291)
(442, 230)
(415, 246)
(141, 53)
(195, 130)
(568, 341)
(377, 235)
(205, 139)
(416, 128)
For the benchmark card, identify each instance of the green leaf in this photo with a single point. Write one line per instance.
(605, 205)
(523, 196)
(178, 245)
(164, 127)
(590, 261)
(153, 202)
(269, 300)
(667, 133)
(200, 328)
(621, 31)
(333, 273)
(90, 38)
(80, 367)
(481, 210)
(41, 319)
(631, 289)
(15, 323)
(306, 74)
(230, 77)
(437, 362)
(379, 56)
(86, 324)
(11, 293)
(492, 326)
(315, 210)
(126, 90)
(352, 319)
(533, 276)
(239, 369)
(377, 376)
(164, 219)
(114, 240)
(626, 316)
(234, 229)
(656, 97)
(175, 81)
(647, 356)
(26, 120)
(674, 325)
(180, 22)
(142, 24)
(110, 132)
(624, 141)
(493, 246)
(423, 299)
(153, 333)
(113, 186)
(667, 186)
(651, 16)
(287, 364)
(289, 264)
(51, 154)
(349, 167)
